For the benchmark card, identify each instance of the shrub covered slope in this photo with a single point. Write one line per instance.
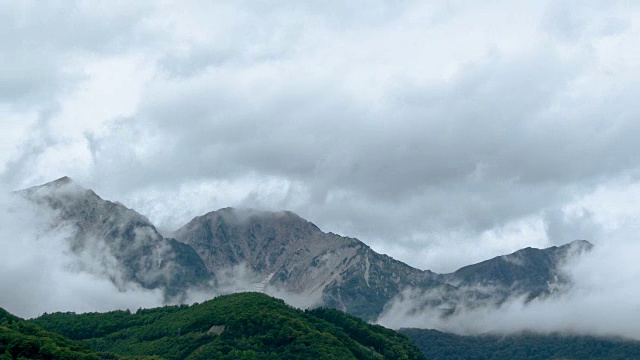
(246, 325)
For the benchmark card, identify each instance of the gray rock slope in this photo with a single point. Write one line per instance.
(296, 256)
(287, 253)
(119, 242)
(528, 271)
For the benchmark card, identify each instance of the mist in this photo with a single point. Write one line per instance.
(241, 278)
(464, 122)
(439, 133)
(39, 272)
(603, 300)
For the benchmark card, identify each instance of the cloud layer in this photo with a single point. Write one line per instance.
(603, 301)
(40, 273)
(418, 128)
(45, 269)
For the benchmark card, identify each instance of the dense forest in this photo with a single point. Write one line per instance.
(20, 339)
(256, 326)
(437, 345)
(246, 326)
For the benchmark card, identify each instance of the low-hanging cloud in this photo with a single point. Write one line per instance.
(241, 278)
(48, 268)
(419, 127)
(603, 300)
(40, 273)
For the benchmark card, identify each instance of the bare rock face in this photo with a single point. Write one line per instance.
(526, 274)
(264, 240)
(532, 272)
(297, 257)
(124, 244)
(294, 255)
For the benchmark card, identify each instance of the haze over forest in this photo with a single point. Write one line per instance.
(441, 134)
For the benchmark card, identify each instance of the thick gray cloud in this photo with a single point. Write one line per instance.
(43, 45)
(419, 128)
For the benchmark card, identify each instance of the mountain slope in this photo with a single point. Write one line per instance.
(525, 274)
(120, 242)
(19, 339)
(284, 253)
(294, 255)
(245, 325)
(528, 271)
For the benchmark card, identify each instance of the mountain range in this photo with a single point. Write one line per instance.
(281, 252)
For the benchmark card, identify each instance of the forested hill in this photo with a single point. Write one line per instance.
(245, 326)
(22, 340)
(437, 345)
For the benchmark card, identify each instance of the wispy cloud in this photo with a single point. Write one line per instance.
(40, 273)
(602, 300)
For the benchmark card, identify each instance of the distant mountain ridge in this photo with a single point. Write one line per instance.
(287, 254)
(530, 270)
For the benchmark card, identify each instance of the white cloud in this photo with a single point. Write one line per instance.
(40, 274)
(15, 129)
(604, 296)
(421, 128)
(603, 301)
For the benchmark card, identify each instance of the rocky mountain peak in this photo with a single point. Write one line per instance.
(260, 239)
(253, 218)
(294, 255)
(61, 184)
(102, 231)
(65, 180)
(526, 271)
(579, 245)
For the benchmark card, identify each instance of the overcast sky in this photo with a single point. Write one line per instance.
(439, 132)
